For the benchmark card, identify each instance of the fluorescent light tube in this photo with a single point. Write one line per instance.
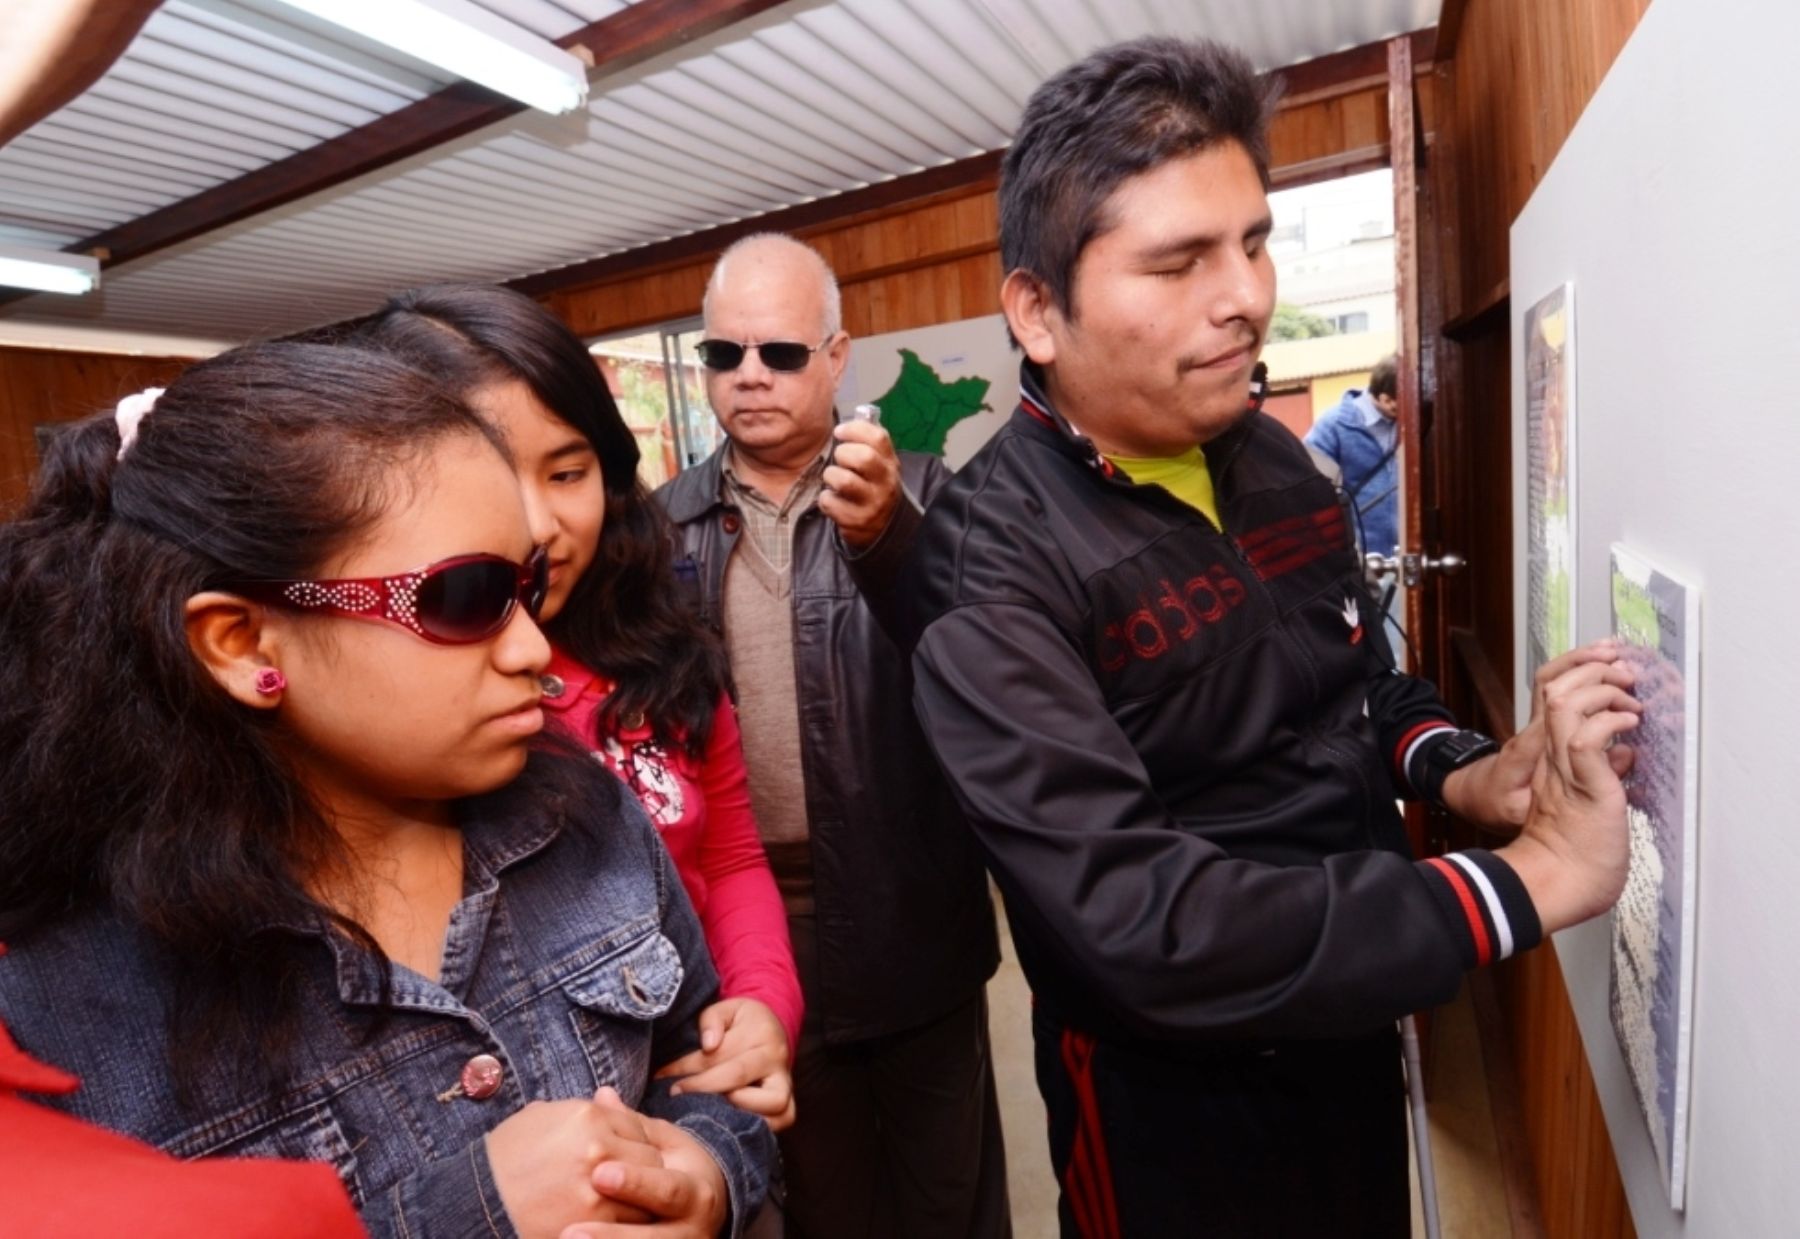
(48, 271)
(468, 41)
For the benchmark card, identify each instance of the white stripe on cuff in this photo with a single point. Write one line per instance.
(1413, 748)
(1492, 896)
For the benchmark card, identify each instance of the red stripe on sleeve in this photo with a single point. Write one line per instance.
(1413, 734)
(1484, 946)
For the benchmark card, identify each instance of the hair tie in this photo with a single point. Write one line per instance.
(131, 411)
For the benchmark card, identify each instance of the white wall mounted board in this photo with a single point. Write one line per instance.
(1670, 207)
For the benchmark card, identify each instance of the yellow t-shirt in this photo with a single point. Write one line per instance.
(1183, 476)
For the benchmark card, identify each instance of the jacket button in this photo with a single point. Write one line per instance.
(552, 685)
(731, 524)
(481, 1077)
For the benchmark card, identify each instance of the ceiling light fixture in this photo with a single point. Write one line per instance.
(468, 41)
(48, 271)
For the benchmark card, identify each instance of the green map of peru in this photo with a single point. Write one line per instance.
(919, 409)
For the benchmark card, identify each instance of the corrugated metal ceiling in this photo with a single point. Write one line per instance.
(810, 99)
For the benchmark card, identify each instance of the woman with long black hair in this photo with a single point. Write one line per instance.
(636, 676)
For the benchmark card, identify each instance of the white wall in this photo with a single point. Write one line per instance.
(1675, 208)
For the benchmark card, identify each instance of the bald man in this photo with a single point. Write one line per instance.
(795, 531)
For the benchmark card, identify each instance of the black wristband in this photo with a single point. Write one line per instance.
(1441, 755)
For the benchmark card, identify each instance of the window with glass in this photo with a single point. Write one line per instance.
(656, 378)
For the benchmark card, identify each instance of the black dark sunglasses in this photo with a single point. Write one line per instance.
(785, 356)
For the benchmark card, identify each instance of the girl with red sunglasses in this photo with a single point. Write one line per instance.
(289, 869)
(635, 675)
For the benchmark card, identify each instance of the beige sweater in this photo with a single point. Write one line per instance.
(759, 637)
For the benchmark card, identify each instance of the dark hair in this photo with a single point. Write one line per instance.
(627, 617)
(132, 781)
(1384, 379)
(1119, 112)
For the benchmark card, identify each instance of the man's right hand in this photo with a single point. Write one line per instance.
(862, 483)
(1574, 852)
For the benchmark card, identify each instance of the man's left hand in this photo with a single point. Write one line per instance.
(1496, 791)
(862, 483)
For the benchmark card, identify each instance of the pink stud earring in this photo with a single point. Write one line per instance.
(270, 681)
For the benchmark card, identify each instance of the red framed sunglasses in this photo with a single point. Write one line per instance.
(458, 601)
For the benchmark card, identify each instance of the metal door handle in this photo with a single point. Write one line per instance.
(1415, 565)
(1411, 567)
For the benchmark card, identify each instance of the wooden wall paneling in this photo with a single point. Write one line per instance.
(952, 180)
(889, 269)
(41, 386)
(1449, 27)
(1329, 128)
(1524, 70)
(981, 278)
(1355, 69)
(1579, 1194)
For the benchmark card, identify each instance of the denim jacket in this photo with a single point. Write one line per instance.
(573, 958)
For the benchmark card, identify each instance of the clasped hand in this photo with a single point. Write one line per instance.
(597, 1169)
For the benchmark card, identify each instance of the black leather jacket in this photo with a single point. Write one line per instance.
(906, 928)
(1180, 747)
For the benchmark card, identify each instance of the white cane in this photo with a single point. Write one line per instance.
(1415, 1089)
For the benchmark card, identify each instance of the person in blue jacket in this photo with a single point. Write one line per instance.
(1362, 436)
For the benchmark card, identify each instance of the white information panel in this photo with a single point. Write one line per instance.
(1652, 990)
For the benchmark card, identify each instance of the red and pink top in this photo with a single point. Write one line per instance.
(701, 807)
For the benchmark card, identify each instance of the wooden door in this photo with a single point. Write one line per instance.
(1421, 612)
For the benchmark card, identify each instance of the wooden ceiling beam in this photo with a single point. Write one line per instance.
(629, 37)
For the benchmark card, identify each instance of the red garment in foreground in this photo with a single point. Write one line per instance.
(60, 1177)
(701, 809)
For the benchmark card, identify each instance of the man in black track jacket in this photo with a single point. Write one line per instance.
(1144, 657)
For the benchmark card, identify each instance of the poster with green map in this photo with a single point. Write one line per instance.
(942, 390)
